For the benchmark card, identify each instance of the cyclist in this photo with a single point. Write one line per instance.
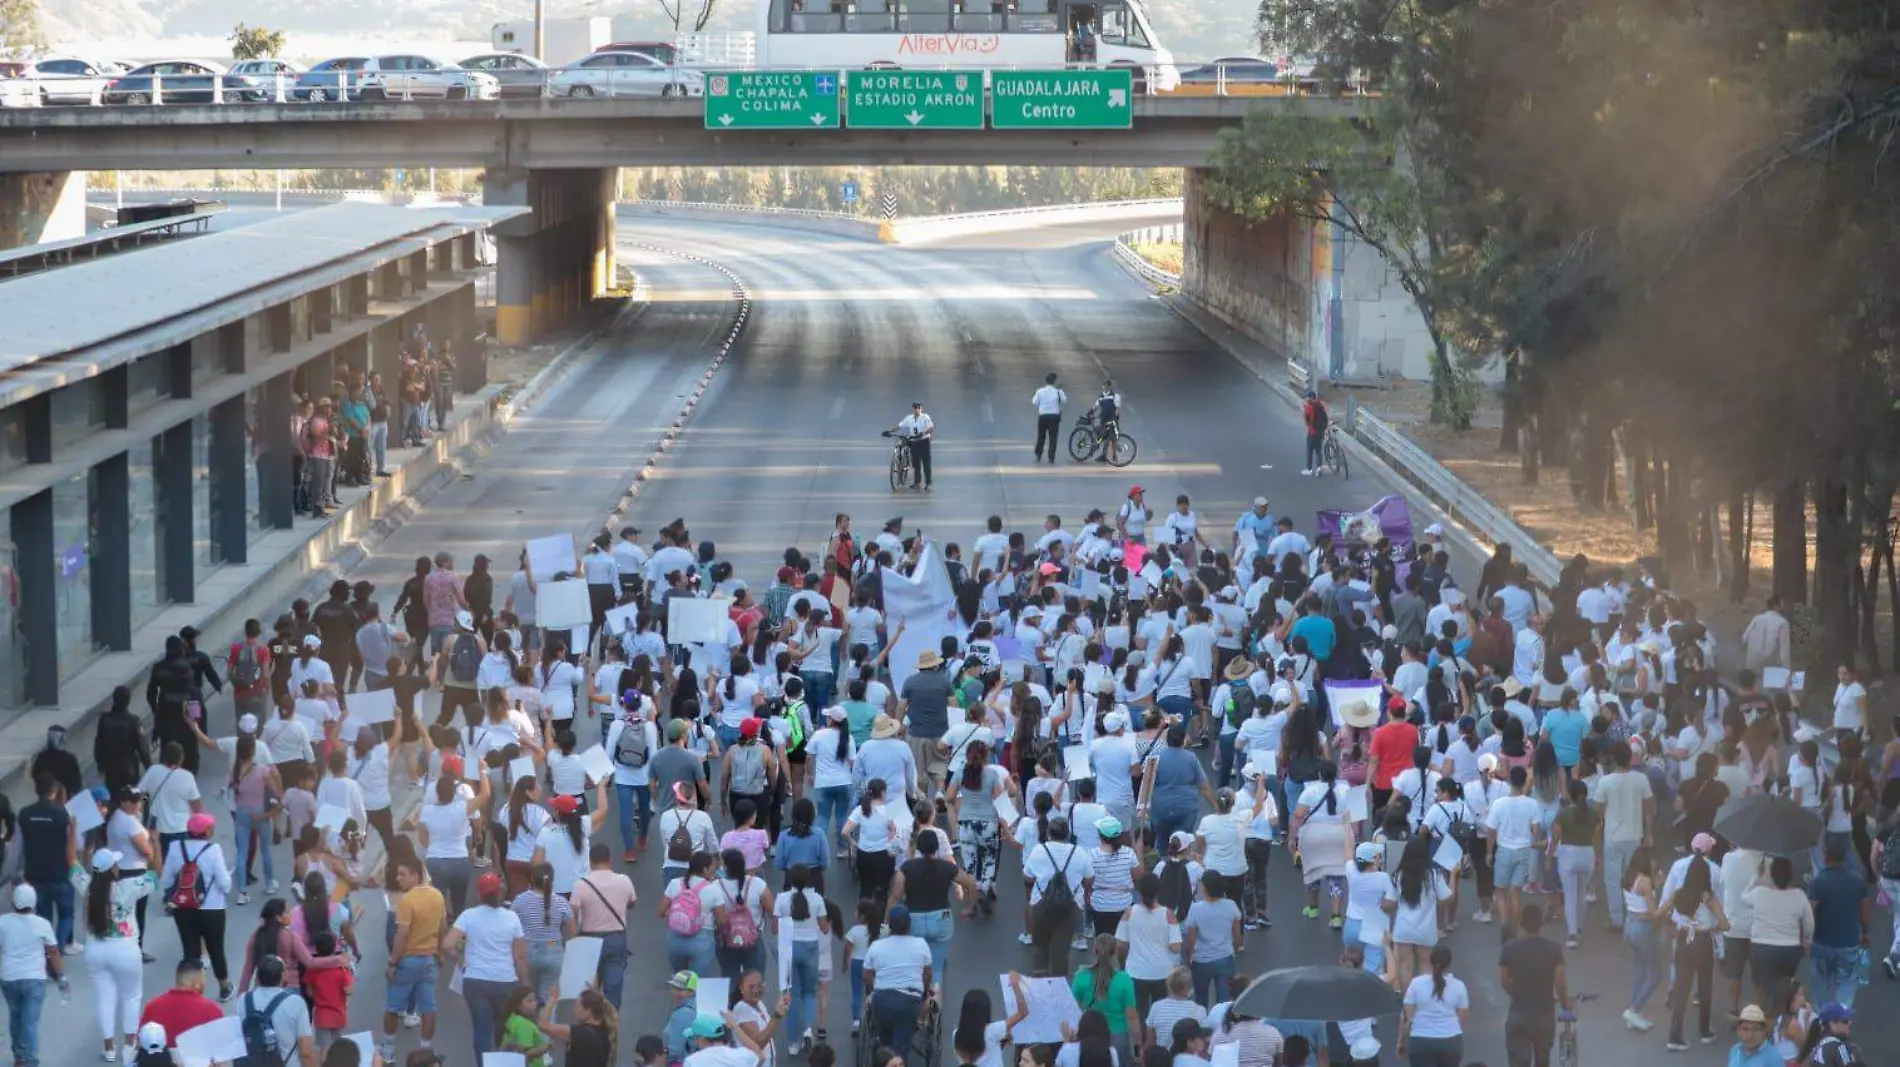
(916, 429)
(1317, 419)
(1108, 411)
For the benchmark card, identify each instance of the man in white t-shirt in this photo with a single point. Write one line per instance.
(1628, 804)
(1048, 402)
(29, 954)
(1288, 540)
(1514, 826)
(991, 546)
(1112, 757)
(171, 795)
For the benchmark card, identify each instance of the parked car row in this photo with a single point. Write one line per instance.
(633, 70)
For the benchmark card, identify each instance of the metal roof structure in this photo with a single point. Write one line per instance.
(66, 325)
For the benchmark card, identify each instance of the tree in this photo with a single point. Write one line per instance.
(255, 42)
(676, 11)
(20, 27)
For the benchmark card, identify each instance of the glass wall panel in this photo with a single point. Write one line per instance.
(73, 543)
(148, 579)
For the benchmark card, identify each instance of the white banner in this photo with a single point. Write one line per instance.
(925, 604)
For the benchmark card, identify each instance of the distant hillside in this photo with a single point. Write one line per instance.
(1193, 29)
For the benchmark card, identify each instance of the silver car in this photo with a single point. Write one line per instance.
(71, 80)
(267, 71)
(519, 75)
(626, 74)
(416, 77)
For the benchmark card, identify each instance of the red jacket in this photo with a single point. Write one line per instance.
(330, 992)
(179, 1010)
(1316, 417)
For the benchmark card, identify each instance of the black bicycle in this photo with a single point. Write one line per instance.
(900, 459)
(1088, 440)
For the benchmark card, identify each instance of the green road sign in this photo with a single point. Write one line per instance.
(1062, 99)
(914, 99)
(772, 100)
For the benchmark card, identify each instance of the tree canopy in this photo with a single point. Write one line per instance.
(19, 26)
(1678, 219)
(255, 42)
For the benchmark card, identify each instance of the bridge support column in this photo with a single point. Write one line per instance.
(1256, 276)
(47, 206)
(552, 262)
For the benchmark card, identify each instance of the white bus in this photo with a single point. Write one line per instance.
(920, 34)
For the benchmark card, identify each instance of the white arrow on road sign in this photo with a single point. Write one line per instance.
(818, 120)
(725, 120)
(914, 117)
(1117, 98)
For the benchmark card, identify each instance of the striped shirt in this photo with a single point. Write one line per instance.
(1164, 1013)
(537, 924)
(1259, 1043)
(1114, 888)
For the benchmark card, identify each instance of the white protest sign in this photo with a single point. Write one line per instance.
(696, 621)
(1091, 585)
(552, 555)
(1227, 1055)
(560, 605)
(1006, 813)
(714, 997)
(596, 763)
(85, 813)
(1264, 763)
(1358, 804)
(373, 707)
(1448, 854)
(1075, 760)
(785, 956)
(366, 1041)
(1774, 677)
(621, 620)
(219, 1041)
(1050, 1005)
(331, 817)
(579, 963)
(504, 1059)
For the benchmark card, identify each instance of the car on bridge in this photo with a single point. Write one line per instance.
(267, 71)
(17, 85)
(182, 81)
(330, 80)
(418, 77)
(625, 74)
(519, 75)
(72, 80)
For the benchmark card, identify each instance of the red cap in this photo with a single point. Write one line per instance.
(750, 728)
(1133, 489)
(452, 765)
(565, 805)
(488, 883)
(786, 574)
(1397, 703)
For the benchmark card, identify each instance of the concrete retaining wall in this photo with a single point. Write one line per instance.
(1257, 277)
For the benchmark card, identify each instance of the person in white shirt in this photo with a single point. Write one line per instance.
(917, 429)
(1287, 541)
(1056, 857)
(897, 978)
(29, 954)
(1112, 758)
(1435, 1008)
(1527, 658)
(991, 546)
(1515, 826)
(1131, 519)
(1182, 528)
(1850, 704)
(1048, 402)
(630, 559)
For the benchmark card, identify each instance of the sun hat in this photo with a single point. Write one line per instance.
(928, 659)
(1511, 687)
(1237, 668)
(882, 727)
(1752, 1014)
(1358, 714)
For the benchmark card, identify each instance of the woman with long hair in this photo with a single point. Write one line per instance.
(834, 755)
(593, 1038)
(1850, 800)
(1693, 918)
(802, 844)
(1576, 836)
(318, 913)
(1153, 936)
(978, 1040)
(444, 824)
(803, 907)
(1433, 1023)
(1103, 986)
(1324, 834)
(136, 847)
(113, 958)
(872, 834)
(740, 939)
(1417, 889)
(523, 820)
(254, 787)
(972, 801)
(1781, 930)
(547, 921)
(1643, 932)
(1302, 753)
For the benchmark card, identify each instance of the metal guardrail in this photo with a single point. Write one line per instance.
(1056, 209)
(1450, 493)
(1135, 261)
(744, 209)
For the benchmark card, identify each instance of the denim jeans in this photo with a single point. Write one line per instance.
(613, 967)
(487, 1009)
(1836, 974)
(1575, 865)
(693, 953)
(1167, 820)
(544, 967)
(894, 1018)
(1211, 979)
(803, 1011)
(56, 896)
(935, 928)
(451, 877)
(857, 989)
(817, 688)
(1616, 860)
(634, 799)
(379, 446)
(1646, 963)
(1224, 769)
(833, 803)
(246, 824)
(24, 998)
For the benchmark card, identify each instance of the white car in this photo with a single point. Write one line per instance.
(625, 74)
(71, 80)
(267, 71)
(19, 91)
(414, 77)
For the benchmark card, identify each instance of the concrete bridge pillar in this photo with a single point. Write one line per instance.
(1259, 277)
(40, 207)
(552, 262)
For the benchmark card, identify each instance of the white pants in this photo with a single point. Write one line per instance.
(117, 968)
(1575, 865)
(1892, 886)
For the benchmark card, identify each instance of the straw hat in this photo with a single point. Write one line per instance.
(1359, 714)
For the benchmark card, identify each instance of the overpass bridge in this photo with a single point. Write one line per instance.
(553, 132)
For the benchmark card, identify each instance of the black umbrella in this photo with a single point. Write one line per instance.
(1325, 993)
(1775, 825)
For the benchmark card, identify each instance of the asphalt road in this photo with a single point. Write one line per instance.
(844, 335)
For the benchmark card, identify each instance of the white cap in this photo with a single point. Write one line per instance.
(1115, 721)
(247, 723)
(1260, 501)
(152, 1037)
(313, 642)
(24, 898)
(104, 860)
(1390, 633)
(465, 620)
(1365, 1050)
(1435, 530)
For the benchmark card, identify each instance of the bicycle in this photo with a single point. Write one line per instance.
(1332, 452)
(900, 459)
(1087, 439)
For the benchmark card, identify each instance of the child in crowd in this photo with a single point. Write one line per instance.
(519, 1032)
(329, 991)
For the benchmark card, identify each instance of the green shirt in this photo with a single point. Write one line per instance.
(857, 716)
(520, 1033)
(1120, 1000)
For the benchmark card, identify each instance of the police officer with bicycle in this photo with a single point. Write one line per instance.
(916, 429)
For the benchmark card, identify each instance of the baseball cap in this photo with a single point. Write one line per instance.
(1836, 1013)
(1487, 763)
(200, 823)
(707, 1027)
(1366, 852)
(247, 723)
(749, 728)
(1108, 826)
(1364, 1049)
(1180, 839)
(1390, 633)
(1702, 843)
(104, 860)
(465, 620)
(835, 713)
(489, 883)
(1115, 721)
(152, 1037)
(1260, 501)
(452, 766)
(685, 980)
(676, 729)
(1752, 1014)
(24, 897)
(565, 805)
(312, 641)
(897, 913)
(1133, 489)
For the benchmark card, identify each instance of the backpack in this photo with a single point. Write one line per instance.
(1835, 1052)
(1240, 699)
(679, 844)
(1058, 897)
(748, 770)
(188, 889)
(682, 912)
(794, 713)
(1459, 830)
(260, 1033)
(465, 658)
(630, 749)
(741, 930)
(1177, 890)
(247, 671)
(1104, 408)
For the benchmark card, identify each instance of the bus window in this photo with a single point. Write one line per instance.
(872, 16)
(925, 16)
(1119, 27)
(977, 16)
